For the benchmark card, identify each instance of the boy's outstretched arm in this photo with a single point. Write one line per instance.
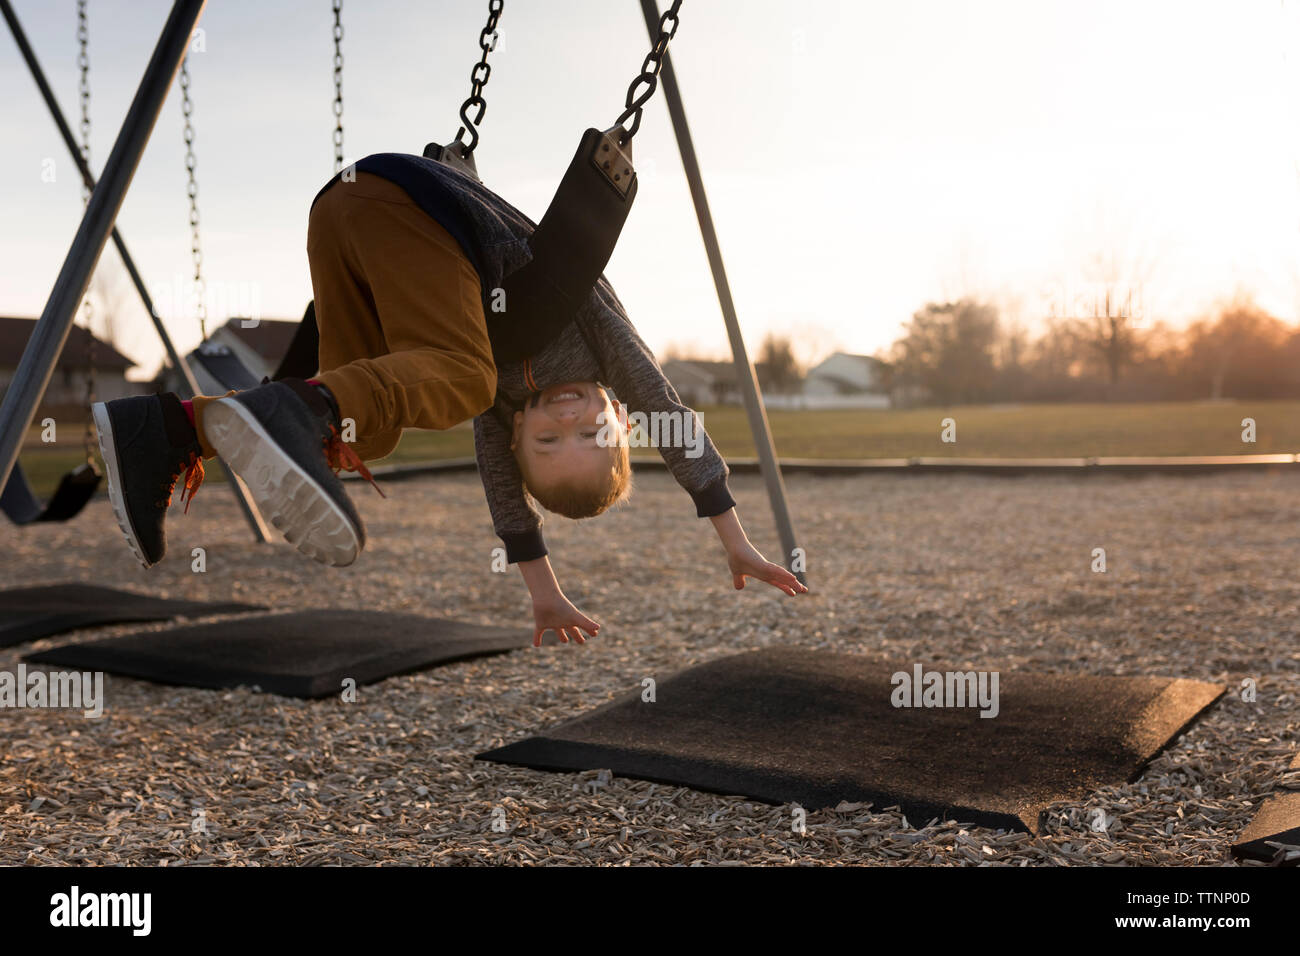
(552, 611)
(641, 385)
(745, 560)
(519, 526)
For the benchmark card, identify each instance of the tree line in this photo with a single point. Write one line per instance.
(963, 353)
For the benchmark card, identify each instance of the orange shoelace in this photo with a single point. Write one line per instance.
(341, 457)
(193, 481)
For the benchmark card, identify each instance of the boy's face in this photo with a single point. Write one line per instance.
(557, 432)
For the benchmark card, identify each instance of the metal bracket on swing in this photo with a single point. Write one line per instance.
(455, 156)
(614, 159)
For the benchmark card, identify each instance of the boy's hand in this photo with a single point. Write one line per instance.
(554, 612)
(745, 561)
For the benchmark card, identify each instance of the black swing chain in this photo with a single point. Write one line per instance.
(83, 63)
(192, 189)
(87, 306)
(338, 85)
(649, 75)
(487, 42)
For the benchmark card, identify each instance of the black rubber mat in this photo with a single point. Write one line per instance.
(1277, 823)
(815, 728)
(27, 614)
(300, 654)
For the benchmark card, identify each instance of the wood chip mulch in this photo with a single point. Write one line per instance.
(1200, 583)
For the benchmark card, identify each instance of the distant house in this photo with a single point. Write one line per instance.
(67, 388)
(702, 382)
(842, 373)
(259, 348)
(845, 380)
(840, 381)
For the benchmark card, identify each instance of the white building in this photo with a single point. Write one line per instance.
(841, 380)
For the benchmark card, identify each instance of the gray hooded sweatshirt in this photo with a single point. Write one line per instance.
(598, 344)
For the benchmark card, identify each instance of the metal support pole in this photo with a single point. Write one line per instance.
(46, 343)
(51, 332)
(189, 385)
(758, 423)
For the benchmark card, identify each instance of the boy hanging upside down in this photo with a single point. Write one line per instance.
(405, 256)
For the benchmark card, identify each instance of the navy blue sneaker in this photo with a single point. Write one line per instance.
(282, 439)
(148, 443)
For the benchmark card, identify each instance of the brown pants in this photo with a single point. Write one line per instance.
(403, 339)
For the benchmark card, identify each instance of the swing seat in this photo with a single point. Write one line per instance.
(301, 359)
(218, 370)
(76, 488)
(571, 246)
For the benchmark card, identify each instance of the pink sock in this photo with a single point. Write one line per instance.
(189, 411)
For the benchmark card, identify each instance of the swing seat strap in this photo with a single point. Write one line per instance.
(570, 247)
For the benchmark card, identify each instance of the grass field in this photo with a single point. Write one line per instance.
(1021, 431)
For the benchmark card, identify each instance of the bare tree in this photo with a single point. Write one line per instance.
(1107, 313)
(776, 354)
(110, 296)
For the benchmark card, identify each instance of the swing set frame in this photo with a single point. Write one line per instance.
(43, 349)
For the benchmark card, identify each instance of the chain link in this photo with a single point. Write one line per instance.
(338, 85)
(192, 190)
(87, 306)
(478, 77)
(83, 63)
(649, 76)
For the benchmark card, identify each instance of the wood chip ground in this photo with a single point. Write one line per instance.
(1201, 582)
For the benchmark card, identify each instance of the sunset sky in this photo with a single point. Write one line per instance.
(862, 158)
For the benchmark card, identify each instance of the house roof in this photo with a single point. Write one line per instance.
(681, 372)
(15, 332)
(270, 338)
(723, 373)
(868, 362)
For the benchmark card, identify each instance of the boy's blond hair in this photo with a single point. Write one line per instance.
(583, 498)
